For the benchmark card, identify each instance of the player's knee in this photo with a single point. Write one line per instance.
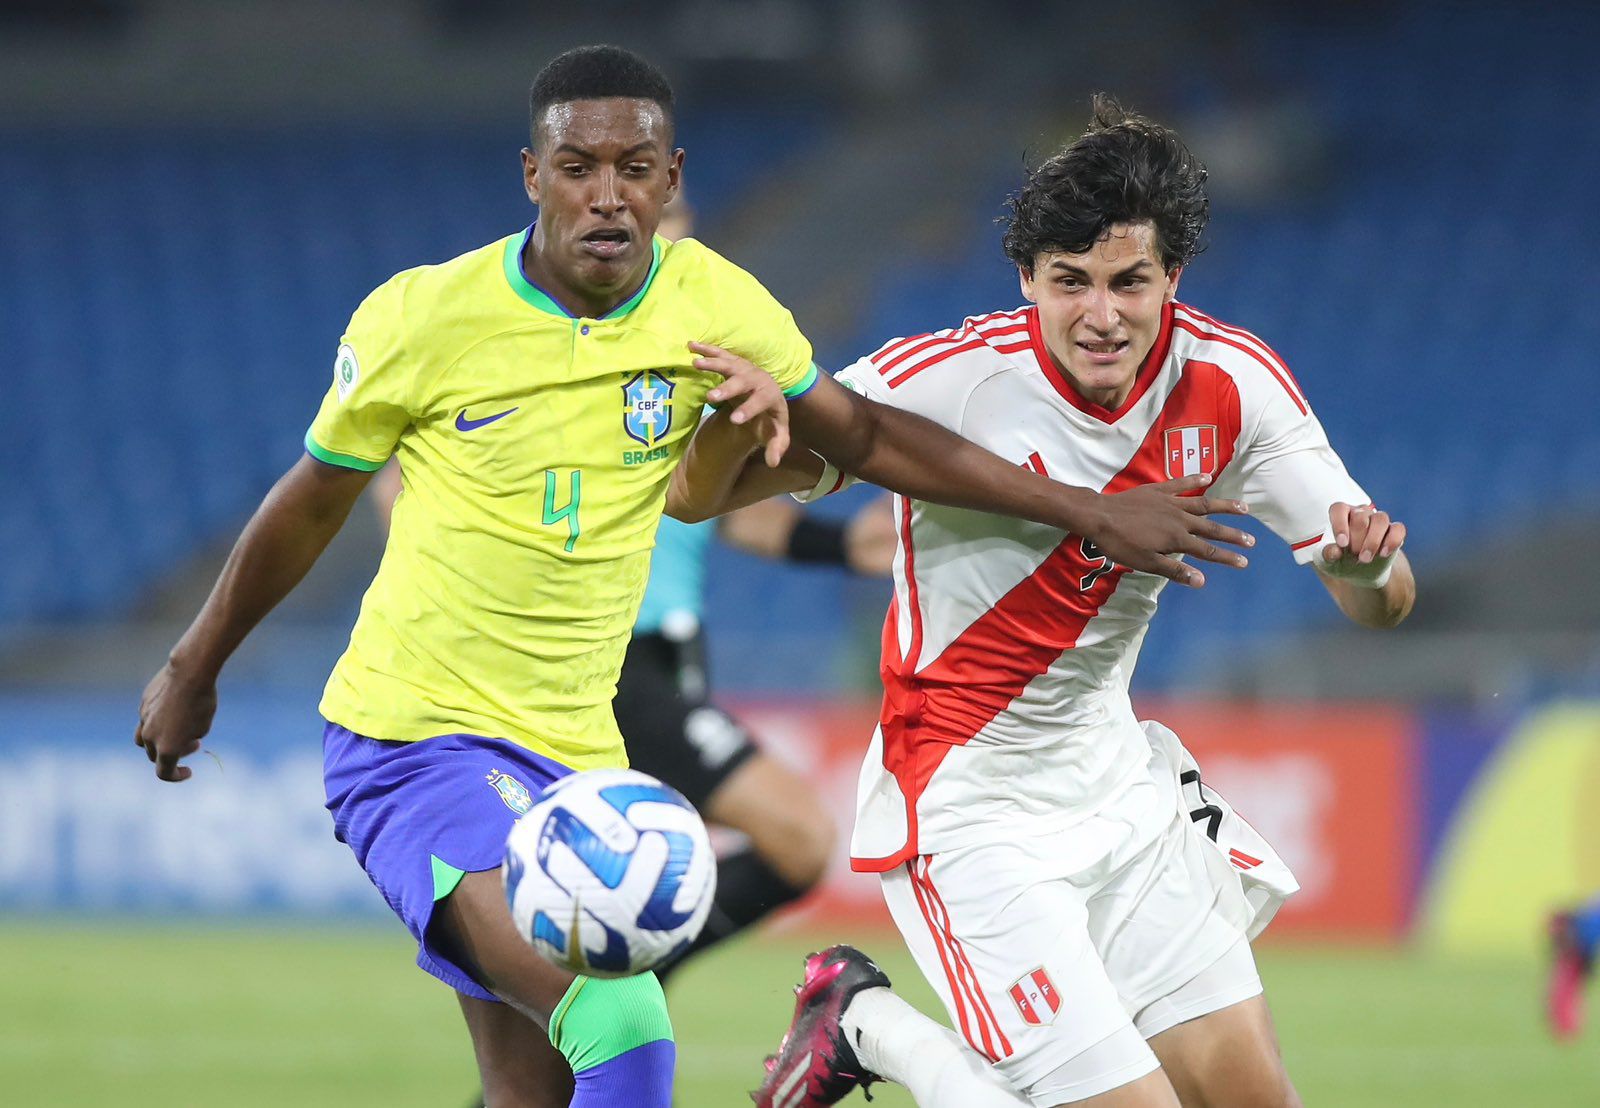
(473, 928)
(1272, 1090)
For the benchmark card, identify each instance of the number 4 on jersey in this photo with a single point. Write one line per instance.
(553, 515)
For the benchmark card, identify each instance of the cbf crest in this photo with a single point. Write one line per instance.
(647, 406)
(513, 792)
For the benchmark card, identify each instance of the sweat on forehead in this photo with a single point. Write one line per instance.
(615, 119)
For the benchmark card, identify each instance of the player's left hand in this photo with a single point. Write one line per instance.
(1363, 534)
(765, 409)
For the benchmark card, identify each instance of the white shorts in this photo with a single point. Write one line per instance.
(1056, 963)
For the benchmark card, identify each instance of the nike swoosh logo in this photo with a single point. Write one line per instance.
(465, 424)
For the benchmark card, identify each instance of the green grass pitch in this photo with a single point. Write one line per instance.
(179, 1015)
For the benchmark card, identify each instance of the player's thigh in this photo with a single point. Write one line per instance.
(782, 814)
(1167, 914)
(473, 926)
(519, 1067)
(1228, 1058)
(1009, 953)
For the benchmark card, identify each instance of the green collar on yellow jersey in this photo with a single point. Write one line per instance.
(542, 300)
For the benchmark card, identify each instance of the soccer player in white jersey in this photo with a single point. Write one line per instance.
(1032, 836)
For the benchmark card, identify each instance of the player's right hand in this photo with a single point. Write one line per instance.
(1146, 524)
(174, 715)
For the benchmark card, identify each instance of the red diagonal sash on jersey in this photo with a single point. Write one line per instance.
(954, 696)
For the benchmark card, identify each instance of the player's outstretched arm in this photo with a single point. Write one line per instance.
(287, 534)
(1364, 568)
(720, 477)
(918, 458)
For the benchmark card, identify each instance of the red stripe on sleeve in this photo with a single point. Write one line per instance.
(935, 359)
(932, 343)
(1253, 339)
(1212, 336)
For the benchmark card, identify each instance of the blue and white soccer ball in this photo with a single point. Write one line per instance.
(610, 873)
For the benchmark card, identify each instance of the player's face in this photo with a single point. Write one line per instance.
(1100, 311)
(601, 174)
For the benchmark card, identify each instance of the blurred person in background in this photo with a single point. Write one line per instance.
(494, 377)
(1083, 907)
(1574, 939)
(670, 726)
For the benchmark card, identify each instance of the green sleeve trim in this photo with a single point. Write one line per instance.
(347, 461)
(803, 386)
(445, 877)
(601, 1018)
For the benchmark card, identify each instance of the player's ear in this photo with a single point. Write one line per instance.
(530, 173)
(674, 173)
(1025, 279)
(1173, 275)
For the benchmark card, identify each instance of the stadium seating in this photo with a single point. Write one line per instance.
(170, 303)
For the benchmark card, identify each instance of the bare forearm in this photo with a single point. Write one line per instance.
(703, 479)
(722, 473)
(920, 459)
(284, 538)
(1379, 608)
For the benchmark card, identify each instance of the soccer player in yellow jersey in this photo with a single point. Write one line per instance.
(539, 392)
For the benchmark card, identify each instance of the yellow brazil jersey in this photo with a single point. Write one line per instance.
(535, 450)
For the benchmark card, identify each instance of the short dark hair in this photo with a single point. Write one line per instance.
(597, 73)
(1124, 169)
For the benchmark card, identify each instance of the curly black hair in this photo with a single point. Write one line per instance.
(1124, 169)
(597, 73)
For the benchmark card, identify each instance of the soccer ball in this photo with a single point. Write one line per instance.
(610, 873)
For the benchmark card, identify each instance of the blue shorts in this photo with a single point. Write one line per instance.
(420, 814)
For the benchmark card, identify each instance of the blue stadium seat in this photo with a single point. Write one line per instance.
(178, 317)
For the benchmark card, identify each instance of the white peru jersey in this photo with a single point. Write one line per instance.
(1009, 645)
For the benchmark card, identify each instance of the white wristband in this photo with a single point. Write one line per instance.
(831, 481)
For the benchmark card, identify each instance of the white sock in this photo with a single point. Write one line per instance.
(900, 1044)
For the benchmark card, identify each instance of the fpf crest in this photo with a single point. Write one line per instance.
(1191, 450)
(1036, 998)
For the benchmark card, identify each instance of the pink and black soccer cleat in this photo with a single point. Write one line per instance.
(815, 1064)
(1570, 966)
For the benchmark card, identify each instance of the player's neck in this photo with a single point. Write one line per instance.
(577, 302)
